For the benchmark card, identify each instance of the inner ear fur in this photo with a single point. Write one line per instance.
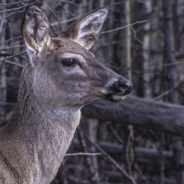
(35, 30)
(87, 29)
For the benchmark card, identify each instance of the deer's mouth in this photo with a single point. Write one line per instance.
(114, 97)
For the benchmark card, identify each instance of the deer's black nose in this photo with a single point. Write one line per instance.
(126, 86)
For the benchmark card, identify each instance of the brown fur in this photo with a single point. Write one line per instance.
(34, 142)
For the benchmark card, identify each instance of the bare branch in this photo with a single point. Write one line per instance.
(112, 161)
(13, 9)
(8, 4)
(167, 92)
(13, 63)
(13, 56)
(138, 22)
(11, 39)
(82, 154)
(115, 134)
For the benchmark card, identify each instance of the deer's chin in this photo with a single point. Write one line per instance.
(115, 97)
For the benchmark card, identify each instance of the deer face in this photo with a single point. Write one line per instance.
(65, 73)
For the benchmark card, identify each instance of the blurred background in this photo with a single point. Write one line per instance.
(139, 140)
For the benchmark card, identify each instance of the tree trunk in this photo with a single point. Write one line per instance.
(145, 52)
(140, 112)
(172, 73)
(2, 66)
(127, 135)
(127, 43)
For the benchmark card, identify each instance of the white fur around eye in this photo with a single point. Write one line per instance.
(76, 69)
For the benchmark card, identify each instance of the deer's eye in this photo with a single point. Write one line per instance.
(68, 61)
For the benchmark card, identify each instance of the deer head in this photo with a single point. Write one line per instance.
(65, 73)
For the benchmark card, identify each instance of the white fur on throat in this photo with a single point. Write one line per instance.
(69, 115)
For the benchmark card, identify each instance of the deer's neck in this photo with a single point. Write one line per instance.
(42, 136)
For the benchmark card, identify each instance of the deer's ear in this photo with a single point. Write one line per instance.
(87, 29)
(35, 30)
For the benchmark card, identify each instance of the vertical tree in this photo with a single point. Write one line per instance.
(172, 80)
(127, 43)
(128, 136)
(145, 50)
(3, 22)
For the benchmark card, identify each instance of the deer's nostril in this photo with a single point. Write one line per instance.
(127, 86)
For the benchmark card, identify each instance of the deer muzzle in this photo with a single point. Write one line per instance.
(118, 90)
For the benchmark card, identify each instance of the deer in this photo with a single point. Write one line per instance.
(62, 76)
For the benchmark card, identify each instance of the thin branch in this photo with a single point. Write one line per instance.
(112, 161)
(115, 134)
(129, 149)
(92, 175)
(77, 180)
(8, 48)
(11, 39)
(138, 22)
(173, 64)
(54, 14)
(13, 63)
(82, 154)
(62, 22)
(14, 3)
(121, 2)
(14, 43)
(75, 4)
(167, 92)
(13, 56)
(13, 13)
(13, 9)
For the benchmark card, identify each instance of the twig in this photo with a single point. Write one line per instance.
(172, 64)
(8, 48)
(13, 13)
(56, 17)
(62, 22)
(13, 63)
(112, 161)
(75, 4)
(13, 9)
(82, 154)
(76, 180)
(115, 134)
(11, 39)
(13, 3)
(7, 103)
(15, 43)
(13, 56)
(129, 149)
(140, 173)
(92, 175)
(162, 159)
(167, 92)
(137, 22)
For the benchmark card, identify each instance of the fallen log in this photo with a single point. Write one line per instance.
(152, 155)
(114, 176)
(139, 112)
(143, 155)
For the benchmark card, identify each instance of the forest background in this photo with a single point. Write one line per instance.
(138, 140)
